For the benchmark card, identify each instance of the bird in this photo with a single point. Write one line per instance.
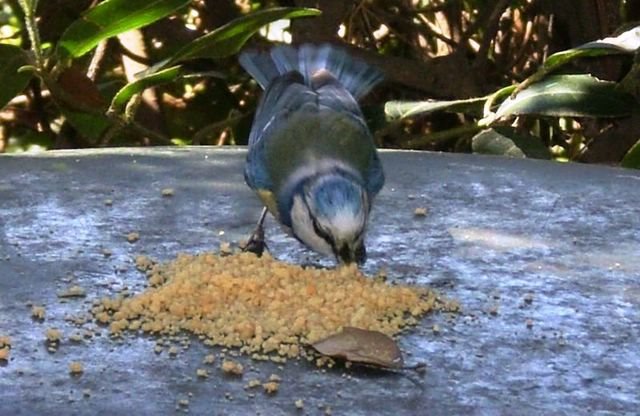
(311, 158)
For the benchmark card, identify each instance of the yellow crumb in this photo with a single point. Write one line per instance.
(420, 212)
(76, 367)
(143, 263)
(167, 192)
(73, 291)
(271, 387)
(209, 359)
(76, 337)
(133, 237)
(254, 382)
(202, 373)
(225, 248)
(262, 307)
(5, 341)
(275, 377)
(4, 354)
(232, 367)
(53, 335)
(38, 312)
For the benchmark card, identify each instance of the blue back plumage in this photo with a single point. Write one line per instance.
(310, 91)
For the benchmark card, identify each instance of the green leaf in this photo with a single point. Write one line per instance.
(569, 96)
(229, 39)
(626, 43)
(506, 141)
(632, 158)
(12, 82)
(89, 125)
(180, 142)
(123, 96)
(111, 18)
(164, 76)
(403, 109)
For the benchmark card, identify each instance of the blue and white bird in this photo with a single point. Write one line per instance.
(312, 159)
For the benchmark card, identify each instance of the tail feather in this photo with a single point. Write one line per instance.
(355, 75)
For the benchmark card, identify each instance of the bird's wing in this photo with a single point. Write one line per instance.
(286, 94)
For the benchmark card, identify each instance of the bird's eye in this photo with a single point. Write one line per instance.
(320, 232)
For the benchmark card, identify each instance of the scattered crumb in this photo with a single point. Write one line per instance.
(529, 323)
(5, 341)
(108, 202)
(493, 310)
(73, 292)
(299, 404)
(328, 411)
(435, 328)
(166, 192)
(202, 373)
(420, 212)
(232, 367)
(271, 387)
(106, 252)
(209, 359)
(53, 335)
(76, 337)
(275, 377)
(38, 312)
(254, 382)
(183, 402)
(144, 263)
(76, 367)
(86, 392)
(173, 350)
(133, 237)
(4, 354)
(225, 248)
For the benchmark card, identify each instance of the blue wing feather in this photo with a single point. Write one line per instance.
(283, 95)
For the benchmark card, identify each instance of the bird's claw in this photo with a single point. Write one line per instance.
(256, 244)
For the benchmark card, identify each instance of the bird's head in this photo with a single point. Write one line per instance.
(329, 214)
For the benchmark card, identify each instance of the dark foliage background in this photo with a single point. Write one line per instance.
(428, 49)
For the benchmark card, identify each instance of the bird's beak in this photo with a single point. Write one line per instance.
(349, 254)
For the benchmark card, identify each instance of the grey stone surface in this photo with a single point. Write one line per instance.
(497, 234)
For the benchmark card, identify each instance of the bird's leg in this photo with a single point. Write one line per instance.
(255, 244)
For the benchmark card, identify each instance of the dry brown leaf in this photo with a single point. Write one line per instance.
(361, 346)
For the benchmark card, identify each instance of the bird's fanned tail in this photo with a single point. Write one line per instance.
(355, 75)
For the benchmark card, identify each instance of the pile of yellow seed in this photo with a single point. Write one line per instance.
(261, 305)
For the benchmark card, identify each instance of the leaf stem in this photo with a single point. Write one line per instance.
(29, 8)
